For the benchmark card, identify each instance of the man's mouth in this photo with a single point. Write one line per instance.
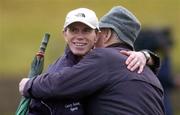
(78, 44)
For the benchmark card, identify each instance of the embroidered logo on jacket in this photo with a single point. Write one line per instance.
(72, 106)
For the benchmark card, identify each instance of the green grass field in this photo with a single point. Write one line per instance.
(24, 22)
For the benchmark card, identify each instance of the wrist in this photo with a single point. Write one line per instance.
(146, 55)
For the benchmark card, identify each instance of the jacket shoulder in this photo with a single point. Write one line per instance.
(110, 53)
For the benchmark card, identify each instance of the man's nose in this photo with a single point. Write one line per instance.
(80, 35)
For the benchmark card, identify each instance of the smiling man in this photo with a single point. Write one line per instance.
(80, 38)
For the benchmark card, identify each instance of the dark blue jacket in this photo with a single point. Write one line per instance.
(105, 89)
(53, 106)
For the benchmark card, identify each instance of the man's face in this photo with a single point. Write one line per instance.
(80, 38)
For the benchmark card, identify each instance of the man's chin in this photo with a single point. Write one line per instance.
(79, 53)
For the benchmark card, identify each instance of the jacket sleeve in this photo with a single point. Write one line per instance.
(80, 80)
(155, 68)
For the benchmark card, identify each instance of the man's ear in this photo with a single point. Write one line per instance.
(97, 37)
(107, 35)
(64, 34)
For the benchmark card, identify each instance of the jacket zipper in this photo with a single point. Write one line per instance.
(46, 105)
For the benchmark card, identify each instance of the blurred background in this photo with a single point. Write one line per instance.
(24, 22)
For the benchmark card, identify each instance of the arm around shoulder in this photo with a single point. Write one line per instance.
(71, 82)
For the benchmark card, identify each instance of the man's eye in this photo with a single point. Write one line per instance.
(87, 30)
(73, 30)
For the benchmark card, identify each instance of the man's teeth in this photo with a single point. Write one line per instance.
(80, 44)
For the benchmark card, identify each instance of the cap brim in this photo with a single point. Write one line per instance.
(82, 21)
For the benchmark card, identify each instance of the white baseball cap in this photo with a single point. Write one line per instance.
(82, 15)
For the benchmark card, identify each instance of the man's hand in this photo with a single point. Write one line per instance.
(22, 85)
(135, 60)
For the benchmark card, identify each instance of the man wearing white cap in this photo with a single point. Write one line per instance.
(65, 83)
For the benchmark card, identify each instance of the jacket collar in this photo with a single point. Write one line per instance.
(122, 45)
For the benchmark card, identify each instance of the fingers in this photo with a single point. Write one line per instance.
(127, 53)
(141, 68)
(135, 61)
(131, 60)
(22, 85)
(136, 65)
(133, 64)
